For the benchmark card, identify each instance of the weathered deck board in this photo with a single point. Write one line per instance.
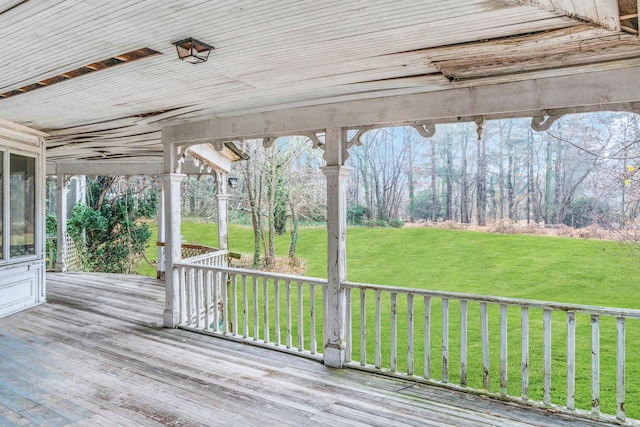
(96, 355)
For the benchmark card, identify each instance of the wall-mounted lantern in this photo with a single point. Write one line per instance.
(232, 181)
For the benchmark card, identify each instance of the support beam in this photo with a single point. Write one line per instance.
(334, 317)
(61, 217)
(589, 91)
(161, 265)
(173, 245)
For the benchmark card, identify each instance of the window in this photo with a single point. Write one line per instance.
(1, 205)
(21, 220)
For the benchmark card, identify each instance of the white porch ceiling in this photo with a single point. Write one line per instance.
(272, 55)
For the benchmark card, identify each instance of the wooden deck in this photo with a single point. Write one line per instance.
(96, 355)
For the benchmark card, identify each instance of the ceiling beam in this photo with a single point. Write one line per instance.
(615, 89)
(115, 167)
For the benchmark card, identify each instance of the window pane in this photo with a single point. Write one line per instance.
(1, 205)
(22, 205)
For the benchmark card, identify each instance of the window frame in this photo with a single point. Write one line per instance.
(5, 255)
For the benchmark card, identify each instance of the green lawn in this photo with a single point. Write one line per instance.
(533, 267)
(536, 267)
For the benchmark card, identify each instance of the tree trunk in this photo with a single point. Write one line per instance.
(464, 210)
(481, 185)
(448, 202)
(548, 200)
(435, 208)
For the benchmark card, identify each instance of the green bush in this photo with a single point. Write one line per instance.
(396, 223)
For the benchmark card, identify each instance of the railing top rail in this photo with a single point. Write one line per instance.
(206, 256)
(559, 306)
(257, 273)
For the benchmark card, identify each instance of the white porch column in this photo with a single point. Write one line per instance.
(223, 203)
(171, 183)
(61, 217)
(160, 265)
(334, 316)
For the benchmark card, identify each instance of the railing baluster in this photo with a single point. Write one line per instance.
(503, 349)
(546, 348)
(183, 297)
(207, 298)
(394, 332)
(620, 370)
(300, 319)
(378, 363)
(190, 296)
(427, 337)
(287, 287)
(363, 327)
(524, 348)
(595, 365)
(224, 285)
(410, 334)
(234, 290)
(256, 312)
(245, 308)
(347, 326)
(312, 332)
(445, 340)
(464, 313)
(216, 299)
(484, 327)
(265, 309)
(276, 297)
(571, 360)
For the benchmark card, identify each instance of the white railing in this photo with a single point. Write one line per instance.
(279, 311)
(216, 258)
(448, 339)
(565, 357)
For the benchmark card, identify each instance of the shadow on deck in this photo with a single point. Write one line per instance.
(96, 354)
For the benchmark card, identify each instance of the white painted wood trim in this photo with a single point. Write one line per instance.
(427, 337)
(620, 370)
(546, 350)
(393, 363)
(363, 327)
(524, 349)
(173, 245)
(276, 300)
(300, 318)
(445, 340)
(289, 316)
(378, 361)
(410, 328)
(484, 332)
(595, 365)
(348, 327)
(464, 325)
(571, 360)
(503, 349)
(461, 103)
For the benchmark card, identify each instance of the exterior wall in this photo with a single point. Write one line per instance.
(22, 281)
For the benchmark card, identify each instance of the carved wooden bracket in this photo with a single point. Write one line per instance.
(426, 129)
(269, 141)
(540, 123)
(315, 140)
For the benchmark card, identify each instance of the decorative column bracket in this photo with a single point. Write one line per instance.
(541, 123)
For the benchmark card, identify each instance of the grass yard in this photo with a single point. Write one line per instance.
(520, 266)
(533, 267)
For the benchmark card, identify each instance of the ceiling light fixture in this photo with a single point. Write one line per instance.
(192, 50)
